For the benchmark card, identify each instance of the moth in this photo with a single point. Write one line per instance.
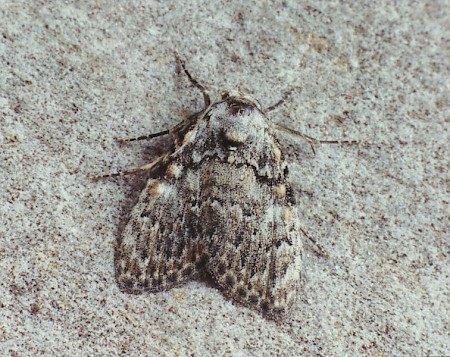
(219, 203)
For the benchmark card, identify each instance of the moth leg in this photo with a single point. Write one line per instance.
(281, 101)
(143, 137)
(194, 82)
(317, 247)
(276, 105)
(313, 141)
(137, 170)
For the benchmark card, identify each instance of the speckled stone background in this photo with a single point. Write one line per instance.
(76, 74)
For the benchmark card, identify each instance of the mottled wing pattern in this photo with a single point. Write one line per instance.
(160, 246)
(248, 211)
(255, 245)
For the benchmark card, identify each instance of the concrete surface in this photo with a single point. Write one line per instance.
(74, 75)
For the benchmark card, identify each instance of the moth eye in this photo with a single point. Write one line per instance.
(236, 107)
(234, 137)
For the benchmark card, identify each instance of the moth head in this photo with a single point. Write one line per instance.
(238, 103)
(243, 120)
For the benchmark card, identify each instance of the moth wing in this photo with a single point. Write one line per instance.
(160, 246)
(255, 247)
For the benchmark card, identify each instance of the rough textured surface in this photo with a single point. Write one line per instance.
(75, 75)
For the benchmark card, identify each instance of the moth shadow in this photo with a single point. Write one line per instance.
(135, 183)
